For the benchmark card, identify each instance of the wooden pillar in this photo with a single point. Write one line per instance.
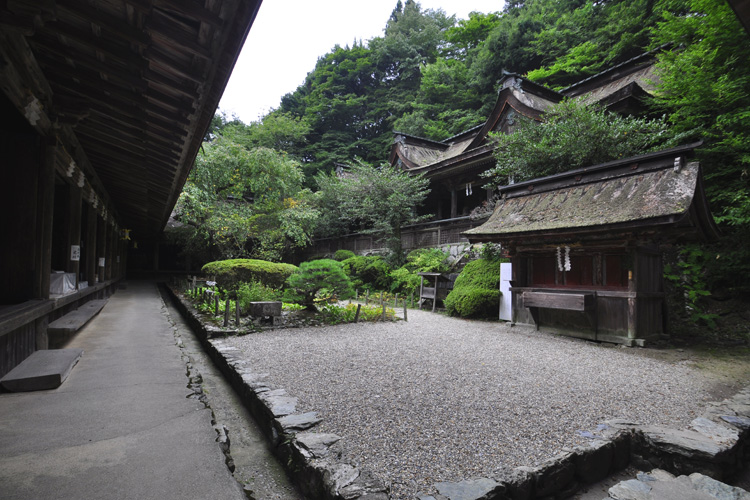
(435, 297)
(91, 237)
(101, 247)
(119, 256)
(109, 251)
(46, 205)
(74, 230)
(632, 301)
(454, 203)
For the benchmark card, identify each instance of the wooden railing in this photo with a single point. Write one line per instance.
(423, 235)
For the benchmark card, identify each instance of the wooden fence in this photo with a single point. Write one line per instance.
(424, 235)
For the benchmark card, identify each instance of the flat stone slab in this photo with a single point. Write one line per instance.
(300, 421)
(278, 402)
(74, 321)
(41, 371)
(471, 489)
(316, 444)
(690, 444)
(739, 422)
(660, 485)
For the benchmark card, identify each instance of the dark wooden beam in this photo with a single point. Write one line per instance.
(111, 26)
(177, 39)
(193, 9)
(164, 62)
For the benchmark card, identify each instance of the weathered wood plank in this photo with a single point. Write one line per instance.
(567, 301)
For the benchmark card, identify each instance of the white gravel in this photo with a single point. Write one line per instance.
(444, 399)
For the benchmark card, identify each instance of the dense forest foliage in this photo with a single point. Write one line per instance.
(434, 76)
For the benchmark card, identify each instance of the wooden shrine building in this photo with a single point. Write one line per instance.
(103, 108)
(454, 165)
(586, 245)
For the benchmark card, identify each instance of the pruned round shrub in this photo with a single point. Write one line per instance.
(476, 293)
(317, 277)
(342, 255)
(230, 273)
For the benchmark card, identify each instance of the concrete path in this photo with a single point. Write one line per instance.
(260, 473)
(120, 427)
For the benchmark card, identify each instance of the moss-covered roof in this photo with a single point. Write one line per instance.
(642, 198)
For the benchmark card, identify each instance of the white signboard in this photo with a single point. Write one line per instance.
(101, 261)
(75, 253)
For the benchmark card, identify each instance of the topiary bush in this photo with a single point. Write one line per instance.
(476, 293)
(342, 255)
(230, 273)
(315, 278)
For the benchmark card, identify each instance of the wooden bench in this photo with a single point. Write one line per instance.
(67, 325)
(584, 302)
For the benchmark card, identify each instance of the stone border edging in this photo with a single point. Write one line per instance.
(312, 459)
(714, 445)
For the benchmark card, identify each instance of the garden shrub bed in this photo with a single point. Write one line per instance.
(230, 273)
(293, 315)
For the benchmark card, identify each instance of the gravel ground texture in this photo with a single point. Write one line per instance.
(444, 399)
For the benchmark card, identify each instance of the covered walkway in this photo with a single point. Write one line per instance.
(121, 426)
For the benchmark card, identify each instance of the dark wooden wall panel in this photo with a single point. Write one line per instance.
(16, 346)
(612, 314)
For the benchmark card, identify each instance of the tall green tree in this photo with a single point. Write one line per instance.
(241, 202)
(572, 135)
(278, 131)
(354, 94)
(377, 201)
(704, 87)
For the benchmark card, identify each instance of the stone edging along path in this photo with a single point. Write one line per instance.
(714, 445)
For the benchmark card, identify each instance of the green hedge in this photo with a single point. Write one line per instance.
(343, 255)
(476, 292)
(372, 272)
(230, 273)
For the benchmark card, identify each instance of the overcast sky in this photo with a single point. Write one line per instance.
(288, 36)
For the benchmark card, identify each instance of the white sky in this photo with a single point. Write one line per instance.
(288, 37)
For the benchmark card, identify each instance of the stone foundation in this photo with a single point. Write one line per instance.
(312, 459)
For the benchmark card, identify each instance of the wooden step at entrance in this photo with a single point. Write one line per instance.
(42, 370)
(74, 321)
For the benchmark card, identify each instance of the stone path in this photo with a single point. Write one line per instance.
(121, 426)
(260, 474)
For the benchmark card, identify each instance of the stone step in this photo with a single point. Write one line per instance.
(74, 321)
(41, 371)
(661, 485)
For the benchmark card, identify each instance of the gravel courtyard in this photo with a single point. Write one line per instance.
(444, 399)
